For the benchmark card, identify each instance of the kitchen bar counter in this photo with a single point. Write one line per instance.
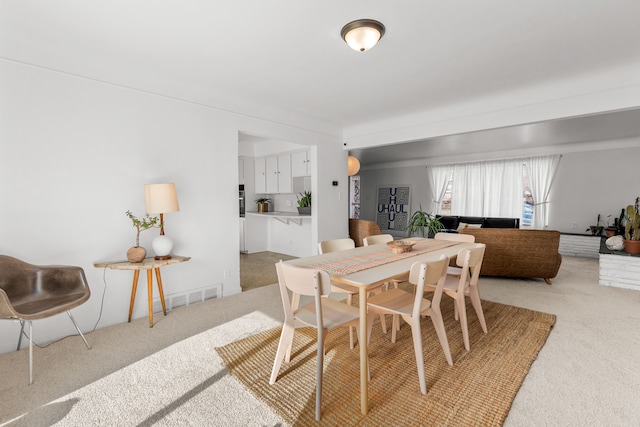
(287, 233)
(279, 214)
(283, 217)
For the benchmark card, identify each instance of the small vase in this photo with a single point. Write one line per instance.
(136, 254)
(304, 211)
(632, 246)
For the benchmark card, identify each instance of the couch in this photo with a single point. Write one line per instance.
(452, 223)
(518, 253)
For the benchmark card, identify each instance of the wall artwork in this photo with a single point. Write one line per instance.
(393, 208)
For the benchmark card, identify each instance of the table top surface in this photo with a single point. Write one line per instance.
(146, 264)
(381, 273)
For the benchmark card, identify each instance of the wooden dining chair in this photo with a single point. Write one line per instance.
(464, 281)
(411, 306)
(324, 314)
(455, 237)
(336, 245)
(379, 238)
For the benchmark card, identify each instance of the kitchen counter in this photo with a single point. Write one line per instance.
(287, 233)
(279, 214)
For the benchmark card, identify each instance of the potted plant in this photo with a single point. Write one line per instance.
(263, 204)
(596, 230)
(422, 221)
(632, 228)
(138, 253)
(304, 203)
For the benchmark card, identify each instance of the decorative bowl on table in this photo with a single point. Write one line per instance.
(400, 246)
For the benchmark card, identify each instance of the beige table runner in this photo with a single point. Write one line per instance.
(348, 265)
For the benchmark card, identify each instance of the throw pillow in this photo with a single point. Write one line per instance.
(465, 225)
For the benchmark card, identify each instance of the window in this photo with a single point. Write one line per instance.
(527, 199)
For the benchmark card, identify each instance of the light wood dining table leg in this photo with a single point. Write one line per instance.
(364, 350)
(134, 287)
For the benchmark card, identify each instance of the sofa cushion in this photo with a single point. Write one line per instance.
(501, 223)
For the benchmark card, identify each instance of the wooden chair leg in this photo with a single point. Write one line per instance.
(417, 347)
(284, 348)
(477, 305)
(463, 322)
(438, 324)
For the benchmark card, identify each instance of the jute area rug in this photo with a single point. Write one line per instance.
(477, 390)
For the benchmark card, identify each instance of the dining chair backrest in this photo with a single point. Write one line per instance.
(470, 262)
(301, 281)
(379, 238)
(335, 245)
(455, 237)
(428, 273)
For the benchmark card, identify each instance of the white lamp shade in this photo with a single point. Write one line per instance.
(353, 165)
(160, 198)
(162, 245)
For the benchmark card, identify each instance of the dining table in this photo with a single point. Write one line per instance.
(365, 268)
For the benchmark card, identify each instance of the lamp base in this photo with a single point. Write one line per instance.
(162, 246)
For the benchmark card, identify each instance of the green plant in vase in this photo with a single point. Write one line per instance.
(138, 253)
(632, 228)
(263, 204)
(304, 203)
(422, 221)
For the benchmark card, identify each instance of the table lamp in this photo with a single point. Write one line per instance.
(161, 199)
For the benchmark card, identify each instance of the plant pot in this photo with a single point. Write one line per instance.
(610, 231)
(632, 246)
(304, 211)
(263, 207)
(136, 254)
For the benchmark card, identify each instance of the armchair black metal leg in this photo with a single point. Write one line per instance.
(79, 331)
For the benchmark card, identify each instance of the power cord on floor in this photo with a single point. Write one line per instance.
(104, 292)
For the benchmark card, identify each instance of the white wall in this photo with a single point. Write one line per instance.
(75, 155)
(588, 183)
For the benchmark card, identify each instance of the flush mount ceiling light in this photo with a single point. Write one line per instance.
(362, 34)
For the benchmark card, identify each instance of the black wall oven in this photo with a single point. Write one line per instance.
(241, 200)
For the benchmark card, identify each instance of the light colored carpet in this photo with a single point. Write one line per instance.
(456, 395)
(587, 373)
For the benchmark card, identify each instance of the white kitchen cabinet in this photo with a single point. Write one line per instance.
(284, 173)
(277, 173)
(260, 168)
(300, 164)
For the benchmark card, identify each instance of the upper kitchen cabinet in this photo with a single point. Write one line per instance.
(273, 174)
(260, 167)
(300, 164)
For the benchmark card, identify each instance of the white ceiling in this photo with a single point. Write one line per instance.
(286, 56)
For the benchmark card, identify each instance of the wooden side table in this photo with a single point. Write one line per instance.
(148, 264)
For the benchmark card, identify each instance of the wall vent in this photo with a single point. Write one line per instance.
(187, 298)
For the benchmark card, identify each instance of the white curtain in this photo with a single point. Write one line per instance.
(438, 180)
(467, 191)
(542, 170)
(503, 189)
(492, 188)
